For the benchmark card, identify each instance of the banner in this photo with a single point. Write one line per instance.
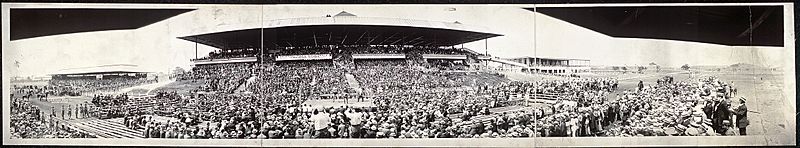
(223, 61)
(379, 56)
(444, 56)
(304, 57)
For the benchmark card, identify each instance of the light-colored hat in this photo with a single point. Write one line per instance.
(697, 114)
(742, 99)
(692, 132)
(670, 131)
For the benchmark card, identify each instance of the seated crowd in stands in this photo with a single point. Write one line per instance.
(220, 77)
(299, 80)
(226, 54)
(401, 79)
(42, 92)
(109, 100)
(91, 84)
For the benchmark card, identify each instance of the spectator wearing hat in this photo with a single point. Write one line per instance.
(729, 131)
(721, 113)
(741, 116)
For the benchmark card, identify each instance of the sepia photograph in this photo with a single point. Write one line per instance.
(508, 75)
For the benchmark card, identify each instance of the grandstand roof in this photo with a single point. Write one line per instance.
(104, 69)
(37, 22)
(345, 29)
(726, 25)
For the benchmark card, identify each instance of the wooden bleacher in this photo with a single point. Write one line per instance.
(140, 103)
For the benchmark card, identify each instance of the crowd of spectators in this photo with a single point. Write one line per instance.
(390, 79)
(226, 54)
(220, 77)
(665, 109)
(410, 102)
(419, 103)
(42, 92)
(71, 86)
(448, 64)
(28, 121)
(102, 100)
(303, 81)
(700, 107)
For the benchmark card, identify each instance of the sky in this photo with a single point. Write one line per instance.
(156, 47)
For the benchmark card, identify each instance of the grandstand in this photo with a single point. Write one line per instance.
(315, 38)
(102, 71)
(370, 77)
(553, 65)
(345, 42)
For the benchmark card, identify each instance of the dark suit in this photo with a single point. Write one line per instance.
(720, 114)
(741, 119)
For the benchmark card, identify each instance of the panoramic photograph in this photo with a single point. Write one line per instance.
(538, 75)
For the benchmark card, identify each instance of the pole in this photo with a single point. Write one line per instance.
(486, 45)
(262, 33)
(195, 50)
(535, 58)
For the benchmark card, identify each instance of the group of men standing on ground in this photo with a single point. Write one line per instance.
(80, 111)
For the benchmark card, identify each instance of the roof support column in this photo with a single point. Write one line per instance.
(486, 45)
(535, 60)
(315, 38)
(195, 50)
(262, 34)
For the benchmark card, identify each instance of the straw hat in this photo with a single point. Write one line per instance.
(670, 131)
(696, 123)
(697, 114)
(742, 99)
(692, 132)
(686, 114)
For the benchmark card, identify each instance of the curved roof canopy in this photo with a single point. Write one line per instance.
(37, 22)
(104, 69)
(726, 25)
(345, 29)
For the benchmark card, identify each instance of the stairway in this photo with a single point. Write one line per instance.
(109, 128)
(353, 83)
(243, 87)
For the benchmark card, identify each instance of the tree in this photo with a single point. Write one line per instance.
(685, 67)
(178, 71)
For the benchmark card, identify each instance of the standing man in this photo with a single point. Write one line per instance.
(320, 122)
(720, 114)
(62, 111)
(69, 111)
(641, 85)
(355, 123)
(741, 116)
